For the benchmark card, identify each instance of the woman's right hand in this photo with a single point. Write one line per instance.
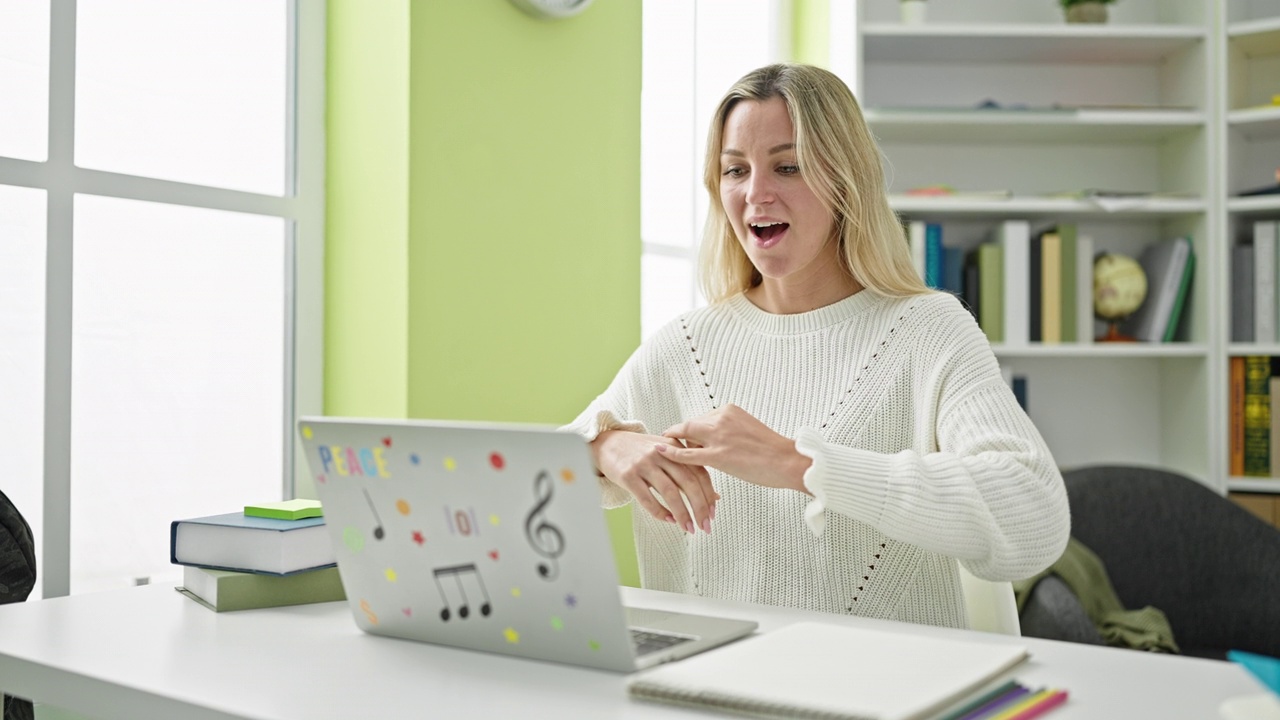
(632, 461)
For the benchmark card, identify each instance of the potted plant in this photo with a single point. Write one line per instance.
(1086, 11)
(913, 11)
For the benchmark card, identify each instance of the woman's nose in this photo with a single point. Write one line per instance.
(760, 189)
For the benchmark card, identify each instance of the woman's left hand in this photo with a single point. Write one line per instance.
(733, 441)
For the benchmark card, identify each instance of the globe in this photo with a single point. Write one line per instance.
(1119, 286)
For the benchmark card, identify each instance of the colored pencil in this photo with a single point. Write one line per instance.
(987, 697)
(1039, 702)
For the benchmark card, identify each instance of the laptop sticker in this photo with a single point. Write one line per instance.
(458, 572)
(544, 537)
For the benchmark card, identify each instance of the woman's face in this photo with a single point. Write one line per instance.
(782, 225)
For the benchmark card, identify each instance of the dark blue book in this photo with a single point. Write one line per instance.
(953, 270)
(1020, 391)
(243, 543)
(933, 255)
(1035, 303)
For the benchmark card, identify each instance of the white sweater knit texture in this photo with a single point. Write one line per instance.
(921, 458)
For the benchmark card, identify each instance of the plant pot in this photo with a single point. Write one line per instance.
(913, 11)
(1087, 12)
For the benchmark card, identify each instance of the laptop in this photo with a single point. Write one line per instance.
(487, 537)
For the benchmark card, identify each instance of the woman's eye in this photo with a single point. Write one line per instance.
(734, 171)
(789, 169)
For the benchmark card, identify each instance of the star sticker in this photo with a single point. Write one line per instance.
(418, 537)
(570, 600)
(386, 441)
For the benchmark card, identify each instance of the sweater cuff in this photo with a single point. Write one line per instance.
(845, 480)
(590, 425)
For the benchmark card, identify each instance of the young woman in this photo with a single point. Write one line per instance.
(828, 433)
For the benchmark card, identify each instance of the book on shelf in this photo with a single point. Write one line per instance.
(1242, 293)
(1180, 299)
(991, 300)
(953, 270)
(1051, 289)
(1014, 239)
(1069, 244)
(226, 591)
(1035, 289)
(1264, 282)
(1166, 265)
(1273, 395)
(973, 285)
(1084, 288)
(933, 255)
(833, 671)
(1235, 428)
(916, 243)
(235, 541)
(1257, 416)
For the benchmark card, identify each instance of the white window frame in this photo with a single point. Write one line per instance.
(302, 208)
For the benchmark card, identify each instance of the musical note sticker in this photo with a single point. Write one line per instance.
(464, 608)
(378, 532)
(545, 538)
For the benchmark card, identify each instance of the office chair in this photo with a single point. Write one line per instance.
(1169, 542)
(17, 580)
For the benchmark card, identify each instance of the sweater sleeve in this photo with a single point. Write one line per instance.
(990, 495)
(619, 407)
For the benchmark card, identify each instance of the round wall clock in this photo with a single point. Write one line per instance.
(552, 9)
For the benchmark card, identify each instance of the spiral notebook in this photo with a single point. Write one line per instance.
(819, 670)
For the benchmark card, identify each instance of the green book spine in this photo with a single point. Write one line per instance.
(991, 285)
(1257, 416)
(1184, 288)
(224, 590)
(1067, 237)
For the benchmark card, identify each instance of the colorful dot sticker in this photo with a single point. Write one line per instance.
(566, 475)
(593, 644)
(402, 506)
(391, 574)
(493, 520)
(386, 441)
(368, 611)
(511, 635)
(419, 538)
(306, 432)
(497, 461)
(570, 600)
(450, 464)
(557, 623)
(494, 555)
(408, 612)
(353, 539)
(515, 592)
(321, 479)
(413, 458)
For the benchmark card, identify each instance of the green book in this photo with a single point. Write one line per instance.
(224, 590)
(1257, 416)
(1180, 300)
(991, 289)
(1067, 237)
(286, 509)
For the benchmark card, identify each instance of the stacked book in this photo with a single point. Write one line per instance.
(269, 555)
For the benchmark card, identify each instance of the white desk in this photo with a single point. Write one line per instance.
(151, 653)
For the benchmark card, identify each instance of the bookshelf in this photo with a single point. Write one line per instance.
(989, 95)
(1247, 77)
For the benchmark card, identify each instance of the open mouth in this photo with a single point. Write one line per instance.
(768, 231)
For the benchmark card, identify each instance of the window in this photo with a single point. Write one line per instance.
(160, 170)
(693, 52)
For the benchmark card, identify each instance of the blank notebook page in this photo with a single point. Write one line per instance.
(814, 669)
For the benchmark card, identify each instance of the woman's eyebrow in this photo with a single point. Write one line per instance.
(772, 151)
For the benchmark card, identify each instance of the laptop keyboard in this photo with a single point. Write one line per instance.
(647, 641)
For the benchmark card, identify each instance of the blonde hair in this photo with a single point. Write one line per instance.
(840, 162)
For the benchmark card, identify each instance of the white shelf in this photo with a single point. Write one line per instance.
(1258, 123)
(1257, 485)
(1086, 44)
(1042, 126)
(1259, 204)
(1253, 349)
(1032, 207)
(1256, 37)
(1107, 351)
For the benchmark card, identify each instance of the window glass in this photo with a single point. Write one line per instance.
(666, 290)
(22, 253)
(192, 91)
(177, 377)
(24, 79)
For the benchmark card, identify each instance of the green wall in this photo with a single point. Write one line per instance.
(483, 231)
(810, 40)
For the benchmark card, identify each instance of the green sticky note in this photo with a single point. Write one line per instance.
(286, 509)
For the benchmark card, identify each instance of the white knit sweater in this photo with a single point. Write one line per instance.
(921, 457)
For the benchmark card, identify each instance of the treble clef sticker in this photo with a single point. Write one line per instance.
(545, 538)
